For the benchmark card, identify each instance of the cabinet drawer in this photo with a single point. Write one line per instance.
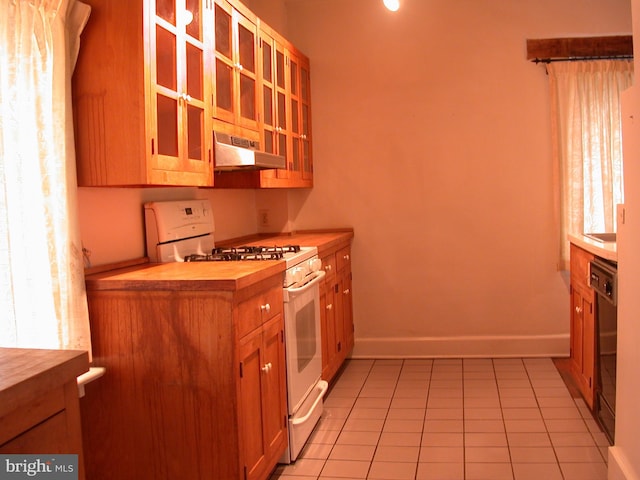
(343, 258)
(329, 266)
(252, 313)
(579, 264)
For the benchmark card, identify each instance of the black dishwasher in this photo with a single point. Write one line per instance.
(604, 281)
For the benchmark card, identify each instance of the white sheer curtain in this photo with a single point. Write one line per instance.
(42, 297)
(587, 131)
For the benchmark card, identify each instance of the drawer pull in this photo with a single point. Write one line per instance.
(265, 308)
(327, 268)
(330, 306)
(346, 257)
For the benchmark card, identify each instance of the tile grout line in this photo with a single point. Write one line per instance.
(424, 417)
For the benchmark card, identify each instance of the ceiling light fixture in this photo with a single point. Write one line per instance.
(392, 5)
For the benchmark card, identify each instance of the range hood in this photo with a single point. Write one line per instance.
(237, 153)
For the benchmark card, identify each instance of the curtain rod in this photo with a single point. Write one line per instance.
(575, 59)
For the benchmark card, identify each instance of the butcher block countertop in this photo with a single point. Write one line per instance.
(26, 374)
(221, 276)
(195, 276)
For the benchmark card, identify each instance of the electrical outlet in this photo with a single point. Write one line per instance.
(263, 217)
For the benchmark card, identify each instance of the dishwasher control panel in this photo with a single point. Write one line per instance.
(604, 279)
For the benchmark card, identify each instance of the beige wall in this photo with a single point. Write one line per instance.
(431, 139)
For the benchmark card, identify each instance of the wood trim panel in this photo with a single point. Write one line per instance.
(580, 47)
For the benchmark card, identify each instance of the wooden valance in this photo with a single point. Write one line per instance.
(557, 49)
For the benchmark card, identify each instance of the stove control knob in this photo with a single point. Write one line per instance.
(296, 274)
(315, 264)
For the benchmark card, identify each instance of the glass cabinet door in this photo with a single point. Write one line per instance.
(282, 125)
(296, 127)
(301, 163)
(273, 123)
(268, 94)
(305, 107)
(167, 87)
(246, 68)
(194, 97)
(236, 99)
(224, 63)
(179, 85)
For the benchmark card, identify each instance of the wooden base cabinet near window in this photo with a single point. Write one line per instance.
(583, 329)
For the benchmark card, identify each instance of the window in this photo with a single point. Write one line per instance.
(587, 142)
(42, 298)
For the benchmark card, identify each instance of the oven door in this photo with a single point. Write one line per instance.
(303, 347)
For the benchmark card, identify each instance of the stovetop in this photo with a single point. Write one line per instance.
(249, 252)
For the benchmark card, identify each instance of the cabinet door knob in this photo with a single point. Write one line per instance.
(265, 308)
(330, 306)
(346, 257)
(267, 367)
(327, 268)
(578, 310)
(346, 292)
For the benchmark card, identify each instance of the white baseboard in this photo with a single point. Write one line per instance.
(463, 346)
(618, 466)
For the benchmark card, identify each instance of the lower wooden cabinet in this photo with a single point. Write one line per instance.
(583, 328)
(336, 311)
(39, 411)
(263, 410)
(195, 381)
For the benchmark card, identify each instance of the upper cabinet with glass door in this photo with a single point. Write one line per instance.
(301, 164)
(141, 94)
(284, 116)
(236, 69)
(274, 101)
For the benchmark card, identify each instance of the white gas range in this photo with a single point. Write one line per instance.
(183, 231)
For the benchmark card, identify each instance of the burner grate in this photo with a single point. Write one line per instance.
(248, 252)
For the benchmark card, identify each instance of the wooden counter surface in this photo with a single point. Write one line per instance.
(28, 373)
(220, 276)
(606, 250)
(195, 276)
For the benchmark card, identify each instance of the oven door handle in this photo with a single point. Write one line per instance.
(317, 277)
(323, 386)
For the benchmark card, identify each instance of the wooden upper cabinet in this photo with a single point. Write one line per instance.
(155, 78)
(284, 117)
(236, 65)
(300, 164)
(292, 104)
(274, 119)
(141, 89)
(180, 86)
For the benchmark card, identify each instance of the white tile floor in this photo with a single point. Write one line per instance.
(452, 419)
